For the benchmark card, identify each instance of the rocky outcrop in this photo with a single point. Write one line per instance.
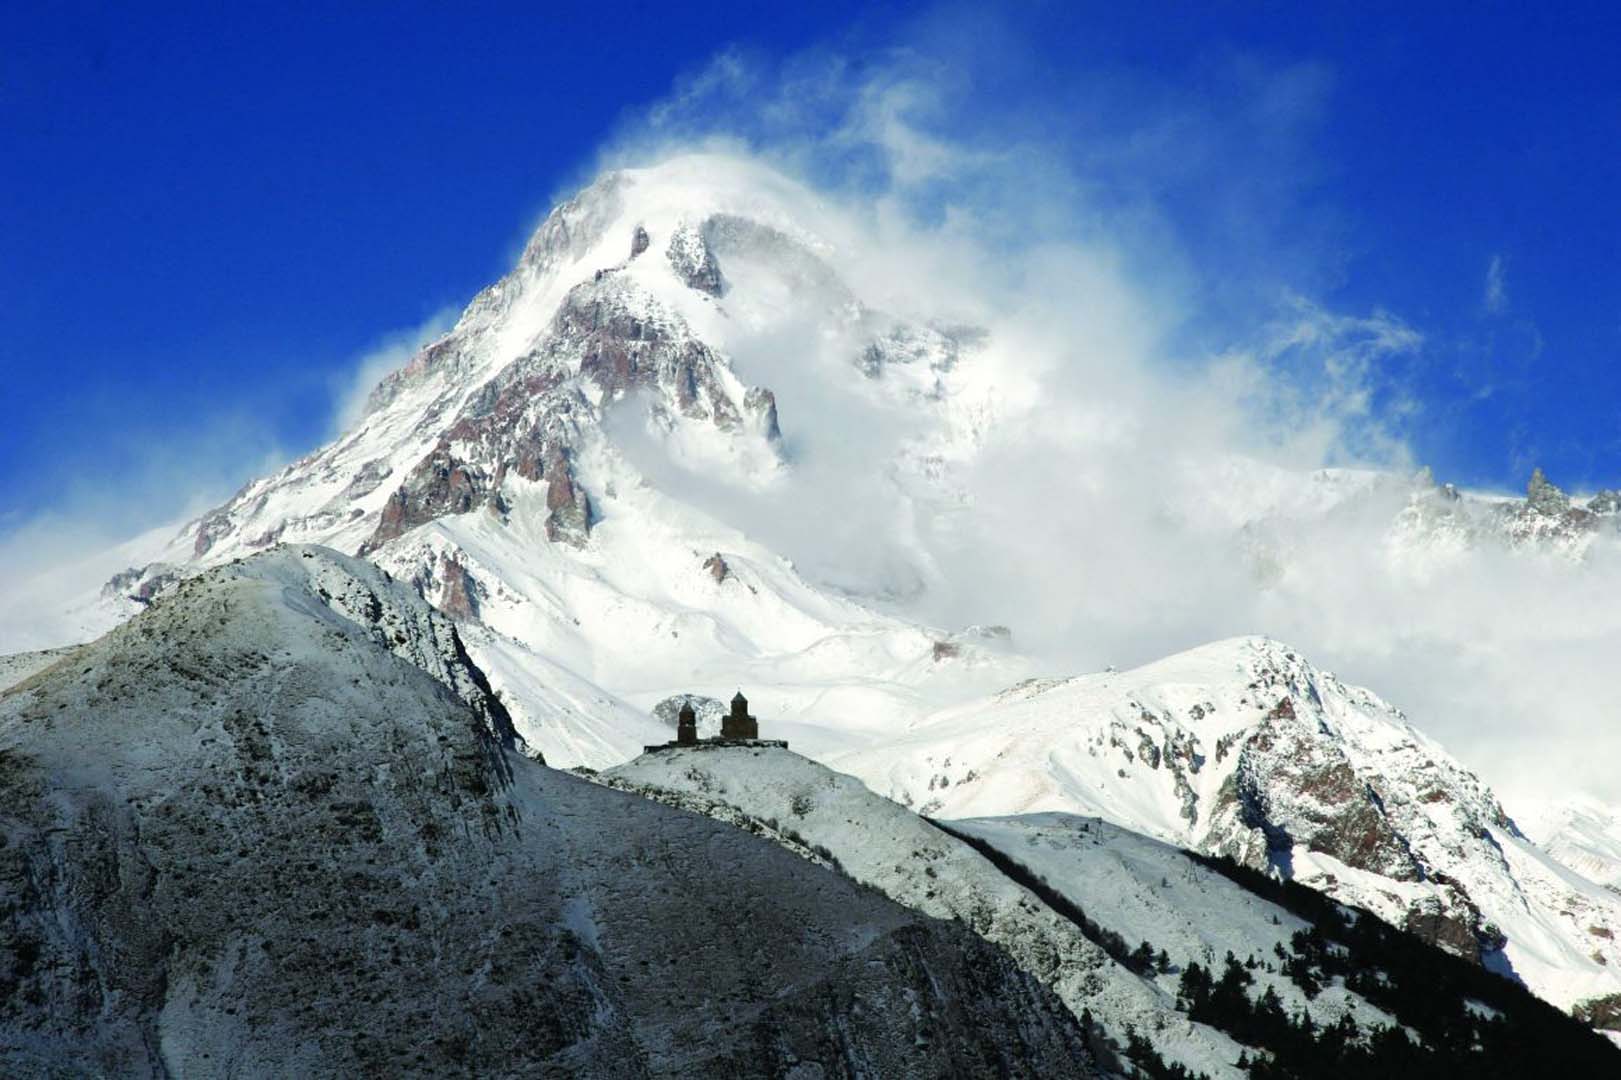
(243, 837)
(1299, 789)
(1607, 502)
(693, 261)
(1543, 498)
(760, 406)
(1603, 1013)
(458, 591)
(568, 507)
(1548, 517)
(213, 526)
(440, 484)
(717, 568)
(141, 584)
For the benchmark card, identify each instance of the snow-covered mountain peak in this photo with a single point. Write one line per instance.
(1243, 748)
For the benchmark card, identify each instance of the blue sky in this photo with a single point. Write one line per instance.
(207, 218)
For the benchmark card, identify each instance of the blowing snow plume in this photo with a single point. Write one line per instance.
(1115, 442)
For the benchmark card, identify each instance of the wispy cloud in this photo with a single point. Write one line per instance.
(1494, 297)
(1129, 471)
(390, 352)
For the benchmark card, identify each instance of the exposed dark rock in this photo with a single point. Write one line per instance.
(1603, 1013)
(1296, 789)
(693, 261)
(458, 591)
(639, 241)
(568, 507)
(1429, 924)
(149, 589)
(141, 584)
(1543, 497)
(946, 650)
(717, 567)
(214, 526)
(440, 484)
(760, 405)
(121, 582)
(621, 350)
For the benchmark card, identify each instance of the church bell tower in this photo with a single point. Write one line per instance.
(738, 723)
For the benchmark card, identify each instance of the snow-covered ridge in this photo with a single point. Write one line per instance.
(1113, 921)
(1243, 748)
(247, 834)
(888, 847)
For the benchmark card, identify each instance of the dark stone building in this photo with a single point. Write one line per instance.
(737, 728)
(738, 723)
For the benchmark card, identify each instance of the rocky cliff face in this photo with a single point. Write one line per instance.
(272, 825)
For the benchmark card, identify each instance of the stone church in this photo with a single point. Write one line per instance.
(736, 726)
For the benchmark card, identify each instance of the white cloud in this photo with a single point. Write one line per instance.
(1143, 481)
(1495, 296)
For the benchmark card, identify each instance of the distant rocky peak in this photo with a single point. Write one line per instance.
(1544, 497)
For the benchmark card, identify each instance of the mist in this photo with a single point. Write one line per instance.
(1128, 467)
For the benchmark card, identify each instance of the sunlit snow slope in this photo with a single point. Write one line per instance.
(1243, 748)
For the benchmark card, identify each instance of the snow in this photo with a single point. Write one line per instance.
(581, 642)
(909, 860)
(1148, 891)
(1583, 834)
(1076, 746)
(259, 802)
